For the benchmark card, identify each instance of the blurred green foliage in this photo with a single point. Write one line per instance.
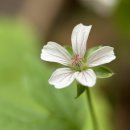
(123, 18)
(27, 101)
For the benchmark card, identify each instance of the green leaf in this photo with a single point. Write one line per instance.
(80, 89)
(91, 50)
(103, 72)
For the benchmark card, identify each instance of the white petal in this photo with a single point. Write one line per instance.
(62, 77)
(101, 56)
(86, 78)
(79, 38)
(54, 52)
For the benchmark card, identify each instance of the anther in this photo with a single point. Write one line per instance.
(77, 60)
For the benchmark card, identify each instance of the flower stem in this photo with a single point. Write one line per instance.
(93, 116)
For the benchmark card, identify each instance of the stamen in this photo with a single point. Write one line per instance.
(77, 60)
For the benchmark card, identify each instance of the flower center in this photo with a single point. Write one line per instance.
(76, 61)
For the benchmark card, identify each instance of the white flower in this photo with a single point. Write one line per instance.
(76, 65)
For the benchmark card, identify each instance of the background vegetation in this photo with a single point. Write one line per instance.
(27, 101)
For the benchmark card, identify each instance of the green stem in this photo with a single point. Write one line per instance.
(93, 116)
